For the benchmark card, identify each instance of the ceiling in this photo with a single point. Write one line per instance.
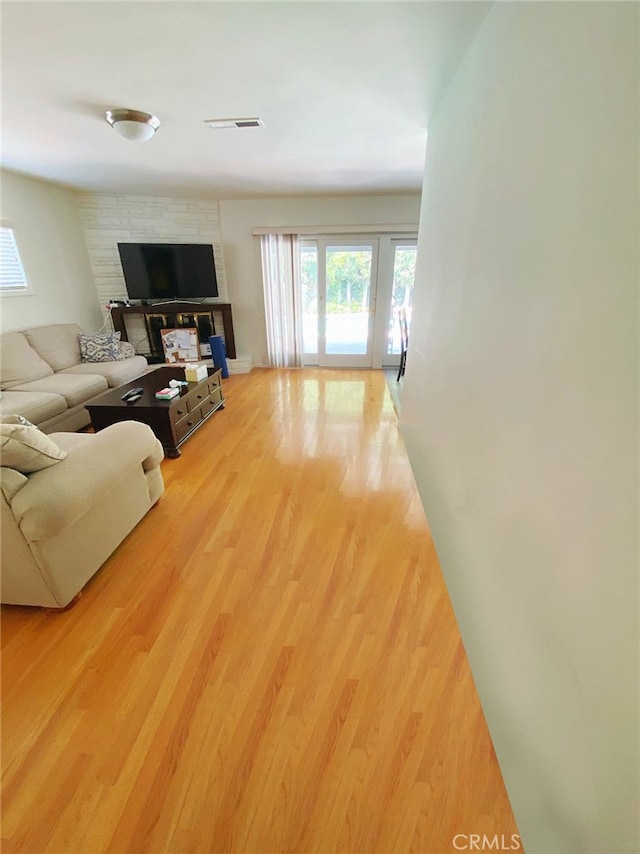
(345, 91)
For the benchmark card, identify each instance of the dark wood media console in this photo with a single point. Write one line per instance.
(177, 314)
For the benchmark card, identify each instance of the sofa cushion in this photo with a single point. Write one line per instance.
(36, 406)
(27, 449)
(11, 481)
(115, 373)
(73, 387)
(102, 347)
(57, 344)
(19, 362)
(70, 441)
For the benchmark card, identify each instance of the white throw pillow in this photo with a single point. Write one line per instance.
(27, 449)
(16, 419)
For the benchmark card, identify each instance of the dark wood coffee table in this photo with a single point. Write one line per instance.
(173, 421)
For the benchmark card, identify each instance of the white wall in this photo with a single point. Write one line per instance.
(520, 404)
(52, 247)
(241, 251)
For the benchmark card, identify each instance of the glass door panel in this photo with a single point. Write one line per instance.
(347, 271)
(404, 272)
(348, 275)
(309, 279)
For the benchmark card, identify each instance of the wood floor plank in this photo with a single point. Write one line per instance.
(269, 663)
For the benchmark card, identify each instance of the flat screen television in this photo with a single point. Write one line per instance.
(157, 271)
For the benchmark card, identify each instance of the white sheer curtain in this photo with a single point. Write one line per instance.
(282, 298)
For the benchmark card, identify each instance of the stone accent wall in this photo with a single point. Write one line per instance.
(110, 219)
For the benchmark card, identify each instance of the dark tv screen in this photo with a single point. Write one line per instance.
(168, 270)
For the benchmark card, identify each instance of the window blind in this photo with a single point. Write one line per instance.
(12, 275)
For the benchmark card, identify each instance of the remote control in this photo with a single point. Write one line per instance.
(133, 392)
(133, 398)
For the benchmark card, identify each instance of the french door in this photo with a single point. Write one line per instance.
(397, 275)
(352, 287)
(339, 279)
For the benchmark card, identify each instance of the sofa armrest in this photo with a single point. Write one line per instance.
(58, 496)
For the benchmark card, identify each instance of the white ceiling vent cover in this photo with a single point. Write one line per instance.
(234, 123)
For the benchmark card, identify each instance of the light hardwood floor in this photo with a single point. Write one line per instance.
(269, 662)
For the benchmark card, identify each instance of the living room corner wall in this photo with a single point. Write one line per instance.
(108, 219)
(520, 404)
(51, 243)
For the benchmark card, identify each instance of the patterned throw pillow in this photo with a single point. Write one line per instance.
(126, 350)
(102, 347)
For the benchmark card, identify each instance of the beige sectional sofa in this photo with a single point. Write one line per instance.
(43, 377)
(60, 524)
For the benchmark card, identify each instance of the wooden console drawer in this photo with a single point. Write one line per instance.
(187, 424)
(212, 402)
(214, 383)
(178, 411)
(194, 399)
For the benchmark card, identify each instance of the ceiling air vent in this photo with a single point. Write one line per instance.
(234, 123)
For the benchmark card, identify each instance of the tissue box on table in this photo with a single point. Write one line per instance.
(195, 373)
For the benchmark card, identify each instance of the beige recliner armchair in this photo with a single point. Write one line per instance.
(61, 523)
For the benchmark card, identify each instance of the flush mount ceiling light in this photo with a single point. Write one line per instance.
(133, 124)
